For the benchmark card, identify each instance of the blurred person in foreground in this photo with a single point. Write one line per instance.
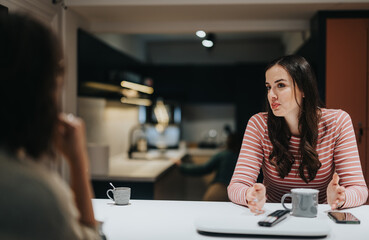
(222, 163)
(35, 203)
(297, 144)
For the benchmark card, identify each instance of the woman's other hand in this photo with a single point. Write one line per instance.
(335, 193)
(177, 161)
(255, 197)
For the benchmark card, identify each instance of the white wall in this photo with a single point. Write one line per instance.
(108, 122)
(120, 119)
(70, 24)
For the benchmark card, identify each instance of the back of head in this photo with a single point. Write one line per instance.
(29, 65)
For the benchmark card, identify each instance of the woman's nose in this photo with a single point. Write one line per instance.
(272, 95)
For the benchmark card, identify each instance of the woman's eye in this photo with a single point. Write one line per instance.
(281, 85)
(268, 87)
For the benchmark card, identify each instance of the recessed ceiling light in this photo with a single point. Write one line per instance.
(207, 43)
(201, 34)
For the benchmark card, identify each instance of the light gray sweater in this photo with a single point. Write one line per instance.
(35, 203)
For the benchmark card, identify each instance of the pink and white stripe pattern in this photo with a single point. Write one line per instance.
(337, 150)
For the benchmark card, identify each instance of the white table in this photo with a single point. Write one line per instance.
(174, 220)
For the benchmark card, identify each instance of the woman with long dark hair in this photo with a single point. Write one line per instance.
(35, 203)
(297, 144)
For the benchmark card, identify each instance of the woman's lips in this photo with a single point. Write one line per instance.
(275, 105)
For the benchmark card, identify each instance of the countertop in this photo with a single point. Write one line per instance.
(145, 167)
(148, 169)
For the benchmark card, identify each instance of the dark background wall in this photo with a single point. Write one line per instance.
(241, 84)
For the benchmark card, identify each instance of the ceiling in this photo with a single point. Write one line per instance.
(156, 23)
(187, 16)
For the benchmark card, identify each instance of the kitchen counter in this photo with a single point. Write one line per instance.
(152, 175)
(149, 168)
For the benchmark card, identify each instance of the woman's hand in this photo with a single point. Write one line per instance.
(71, 141)
(336, 196)
(255, 197)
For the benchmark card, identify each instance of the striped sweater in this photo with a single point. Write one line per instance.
(336, 148)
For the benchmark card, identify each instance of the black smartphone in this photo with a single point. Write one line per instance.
(274, 218)
(343, 217)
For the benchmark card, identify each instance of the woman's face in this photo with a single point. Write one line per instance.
(284, 97)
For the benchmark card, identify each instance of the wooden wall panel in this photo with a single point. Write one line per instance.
(347, 75)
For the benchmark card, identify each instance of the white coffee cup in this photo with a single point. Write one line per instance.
(121, 195)
(304, 202)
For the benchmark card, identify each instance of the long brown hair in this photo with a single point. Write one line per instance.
(279, 133)
(29, 66)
